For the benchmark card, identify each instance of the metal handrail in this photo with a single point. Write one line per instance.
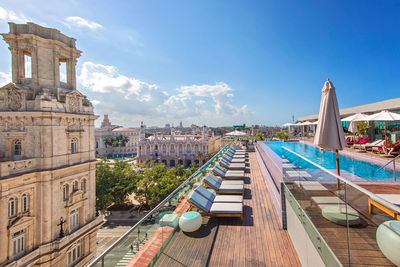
(104, 253)
(392, 160)
(359, 188)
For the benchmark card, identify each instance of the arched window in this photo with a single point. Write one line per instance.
(83, 185)
(65, 192)
(11, 207)
(25, 203)
(75, 186)
(17, 148)
(74, 146)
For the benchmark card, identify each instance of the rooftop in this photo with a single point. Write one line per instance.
(124, 130)
(259, 240)
(390, 104)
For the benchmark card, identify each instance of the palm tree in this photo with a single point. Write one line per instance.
(199, 155)
(108, 140)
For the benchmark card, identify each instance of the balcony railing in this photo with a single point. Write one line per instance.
(347, 223)
(140, 233)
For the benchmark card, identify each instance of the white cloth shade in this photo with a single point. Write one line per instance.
(384, 116)
(356, 117)
(329, 134)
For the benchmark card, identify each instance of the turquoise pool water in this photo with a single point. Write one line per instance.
(327, 159)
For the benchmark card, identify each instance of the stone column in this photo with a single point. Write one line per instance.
(15, 64)
(71, 75)
(3, 227)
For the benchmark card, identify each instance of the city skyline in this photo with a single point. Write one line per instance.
(228, 63)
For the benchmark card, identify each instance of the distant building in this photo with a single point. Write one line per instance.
(47, 155)
(180, 125)
(174, 150)
(109, 130)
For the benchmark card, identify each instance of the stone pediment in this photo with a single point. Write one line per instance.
(12, 98)
(74, 101)
(23, 220)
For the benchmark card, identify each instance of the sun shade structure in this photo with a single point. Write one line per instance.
(236, 133)
(329, 134)
(384, 116)
(356, 117)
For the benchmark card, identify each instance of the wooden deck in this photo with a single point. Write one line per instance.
(364, 250)
(258, 241)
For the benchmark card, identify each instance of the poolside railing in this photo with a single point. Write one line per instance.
(126, 246)
(349, 224)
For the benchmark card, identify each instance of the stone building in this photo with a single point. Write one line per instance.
(47, 155)
(107, 129)
(173, 150)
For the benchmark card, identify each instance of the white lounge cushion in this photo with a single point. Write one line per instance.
(226, 208)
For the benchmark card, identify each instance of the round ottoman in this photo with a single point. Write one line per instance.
(388, 239)
(337, 214)
(190, 221)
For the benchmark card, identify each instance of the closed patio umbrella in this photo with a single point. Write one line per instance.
(384, 116)
(329, 134)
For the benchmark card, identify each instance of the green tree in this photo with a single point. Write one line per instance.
(362, 128)
(108, 140)
(199, 155)
(283, 135)
(260, 136)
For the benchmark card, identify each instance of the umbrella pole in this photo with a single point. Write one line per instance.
(337, 169)
(385, 130)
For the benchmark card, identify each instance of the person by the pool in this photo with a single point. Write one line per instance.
(387, 145)
(395, 147)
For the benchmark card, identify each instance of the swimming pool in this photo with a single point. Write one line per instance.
(327, 159)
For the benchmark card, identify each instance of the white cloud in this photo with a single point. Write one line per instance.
(5, 78)
(11, 16)
(95, 102)
(130, 100)
(80, 22)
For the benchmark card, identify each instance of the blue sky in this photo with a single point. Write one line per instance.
(221, 62)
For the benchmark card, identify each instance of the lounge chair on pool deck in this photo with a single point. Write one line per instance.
(234, 160)
(311, 185)
(221, 181)
(209, 208)
(235, 156)
(392, 198)
(370, 145)
(225, 174)
(236, 152)
(218, 198)
(223, 187)
(232, 166)
(237, 148)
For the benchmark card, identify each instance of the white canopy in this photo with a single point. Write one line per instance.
(236, 133)
(304, 123)
(329, 134)
(356, 117)
(288, 124)
(315, 123)
(384, 116)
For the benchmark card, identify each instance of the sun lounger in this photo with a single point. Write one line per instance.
(224, 187)
(311, 185)
(228, 174)
(232, 166)
(369, 146)
(220, 180)
(209, 208)
(237, 152)
(218, 198)
(235, 156)
(237, 148)
(392, 198)
(234, 160)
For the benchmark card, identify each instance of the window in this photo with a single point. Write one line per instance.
(11, 208)
(74, 146)
(18, 243)
(17, 148)
(65, 192)
(63, 71)
(28, 66)
(74, 220)
(25, 203)
(75, 186)
(83, 185)
(74, 254)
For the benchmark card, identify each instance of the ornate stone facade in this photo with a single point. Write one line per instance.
(174, 149)
(47, 156)
(107, 129)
